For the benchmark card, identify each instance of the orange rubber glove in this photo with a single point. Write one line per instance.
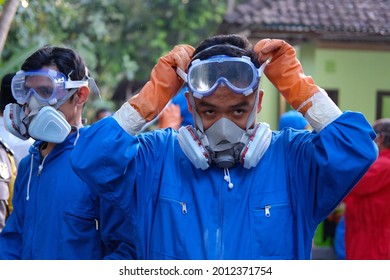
(285, 73)
(164, 83)
(170, 117)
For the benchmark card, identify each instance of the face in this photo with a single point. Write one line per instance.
(72, 108)
(102, 115)
(42, 85)
(379, 141)
(224, 103)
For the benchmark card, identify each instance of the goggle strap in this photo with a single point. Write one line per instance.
(66, 98)
(248, 92)
(253, 114)
(198, 96)
(262, 67)
(93, 87)
(218, 46)
(181, 74)
(75, 84)
(198, 120)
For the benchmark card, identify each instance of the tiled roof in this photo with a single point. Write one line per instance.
(356, 20)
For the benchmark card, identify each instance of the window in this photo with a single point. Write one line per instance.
(334, 95)
(284, 106)
(383, 104)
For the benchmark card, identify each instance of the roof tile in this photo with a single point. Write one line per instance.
(359, 17)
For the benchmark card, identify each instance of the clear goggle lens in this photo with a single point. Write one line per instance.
(237, 73)
(47, 85)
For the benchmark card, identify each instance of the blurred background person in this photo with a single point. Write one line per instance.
(102, 113)
(7, 179)
(13, 149)
(339, 239)
(367, 213)
(176, 113)
(293, 119)
(19, 147)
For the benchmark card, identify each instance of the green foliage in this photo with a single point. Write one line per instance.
(119, 39)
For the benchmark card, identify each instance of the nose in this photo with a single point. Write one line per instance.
(33, 104)
(30, 92)
(27, 111)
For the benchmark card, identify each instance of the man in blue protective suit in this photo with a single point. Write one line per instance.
(293, 119)
(227, 188)
(56, 215)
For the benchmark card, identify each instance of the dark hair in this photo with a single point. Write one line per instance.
(102, 110)
(232, 45)
(65, 59)
(382, 126)
(5, 92)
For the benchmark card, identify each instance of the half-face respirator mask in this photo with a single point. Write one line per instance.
(39, 94)
(224, 143)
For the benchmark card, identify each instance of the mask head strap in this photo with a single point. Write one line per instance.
(240, 51)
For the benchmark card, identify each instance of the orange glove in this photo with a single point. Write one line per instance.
(285, 73)
(170, 117)
(163, 84)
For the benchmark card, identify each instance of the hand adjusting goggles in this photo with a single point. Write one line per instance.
(47, 85)
(237, 73)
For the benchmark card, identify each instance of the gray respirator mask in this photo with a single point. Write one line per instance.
(223, 144)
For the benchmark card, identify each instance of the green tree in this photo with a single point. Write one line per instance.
(7, 14)
(120, 39)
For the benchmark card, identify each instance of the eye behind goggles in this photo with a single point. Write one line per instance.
(47, 85)
(237, 73)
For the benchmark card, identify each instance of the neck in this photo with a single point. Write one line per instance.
(46, 148)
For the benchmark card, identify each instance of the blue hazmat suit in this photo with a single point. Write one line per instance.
(180, 212)
(57, 216)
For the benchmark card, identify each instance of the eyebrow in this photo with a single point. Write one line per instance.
(206, 104)
(239, 105)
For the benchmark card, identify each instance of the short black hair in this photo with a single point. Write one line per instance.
(65, 59)
(102, 110)
(6, 96)
(231, 45)
(382, 126)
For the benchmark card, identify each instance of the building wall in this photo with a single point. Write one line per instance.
(357, 75)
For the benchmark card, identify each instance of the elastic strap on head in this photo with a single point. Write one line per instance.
(70, 93)
(217, 46)
(253, 114)
(92, 84)
(198, 120)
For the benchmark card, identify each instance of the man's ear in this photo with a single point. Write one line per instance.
(187, 94)
(83, 94)
(261, 94)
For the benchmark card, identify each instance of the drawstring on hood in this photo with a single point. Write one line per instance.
(29, 178)
(226, 177)
(77, 130)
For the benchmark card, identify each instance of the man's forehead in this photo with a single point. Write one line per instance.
(224, 96)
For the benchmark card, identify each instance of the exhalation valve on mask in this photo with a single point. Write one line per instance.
(227, 158)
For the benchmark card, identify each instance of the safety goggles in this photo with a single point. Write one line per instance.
(237, 73)
(47, 85)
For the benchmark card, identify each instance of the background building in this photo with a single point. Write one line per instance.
(342, 44)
